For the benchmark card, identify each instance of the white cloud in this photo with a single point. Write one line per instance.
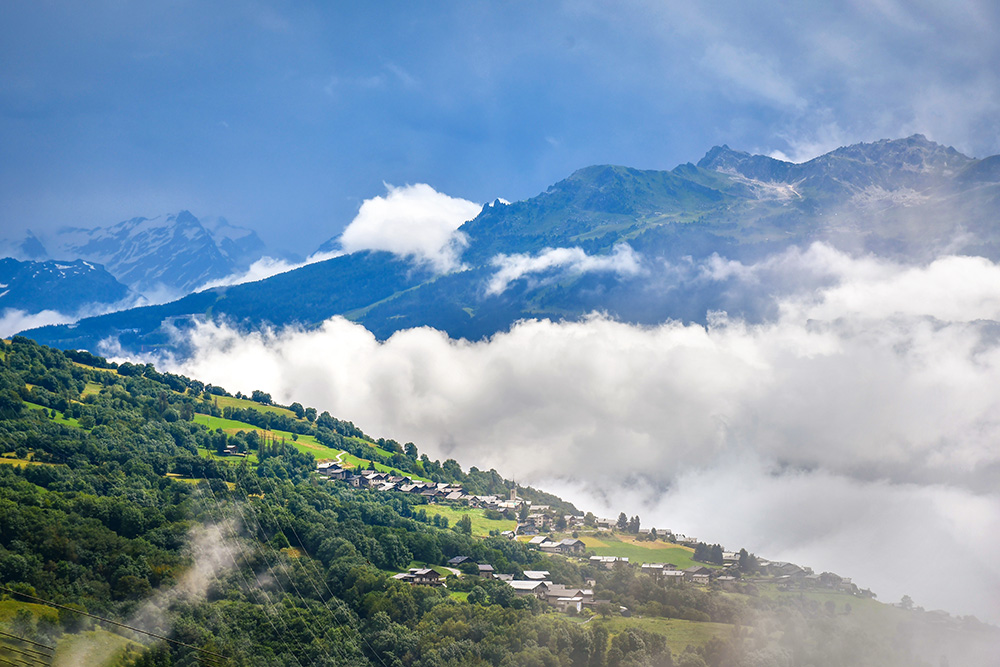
(623, 260)
(412, 221)
(859, 423)
(13, 320)
(265, 267)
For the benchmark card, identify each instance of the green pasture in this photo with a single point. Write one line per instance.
(679, 633)
(481, 526)
(641, 552)
(304, 443)
(243, 403)
(92, 388)
(60, 418)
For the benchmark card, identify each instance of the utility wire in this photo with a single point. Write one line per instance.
(108, 620)
(27, 641)
(279, 560)
(340, 604)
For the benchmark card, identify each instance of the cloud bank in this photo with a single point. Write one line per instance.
(265, 267)
(857, 424)
(623, 261)
(413, 221)
(13, 320)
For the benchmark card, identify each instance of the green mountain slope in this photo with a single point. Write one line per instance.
(907, 199)
(113, 501)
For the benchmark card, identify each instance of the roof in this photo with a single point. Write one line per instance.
(537, 575)
(519, 585)
(485, 567)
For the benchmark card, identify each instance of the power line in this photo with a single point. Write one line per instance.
(27, 641)
(108, 620)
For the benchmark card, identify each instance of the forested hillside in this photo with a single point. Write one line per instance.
(116, 500)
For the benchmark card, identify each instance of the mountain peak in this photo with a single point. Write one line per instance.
(759, 167)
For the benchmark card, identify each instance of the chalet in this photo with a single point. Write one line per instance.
(608, 561)
(420, 576)
(486, 570)
(458, 560)
(790, 570)
(730, 557)
(564, 597)
(606, 524)
(572, 546)
(662, 570)
(526, 529)
(536, 588)
(538, 540)
(454, 495)
(698, 574)
(327, 467)
(509, 534)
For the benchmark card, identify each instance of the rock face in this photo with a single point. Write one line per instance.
(65, 287)
(607, 238)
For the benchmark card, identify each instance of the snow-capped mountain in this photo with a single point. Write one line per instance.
(638, 245)
(169, 254)
(66, 287)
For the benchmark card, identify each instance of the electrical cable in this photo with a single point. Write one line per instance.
(108, 620)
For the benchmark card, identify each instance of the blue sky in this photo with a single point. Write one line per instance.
(284, 117)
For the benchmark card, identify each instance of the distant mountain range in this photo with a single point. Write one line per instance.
(61, 286)
(171, 254)
(617, 239)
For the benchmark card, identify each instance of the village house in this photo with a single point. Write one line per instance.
(563, 597)
(567, 546)
(662, 571)
(608, 561)
(698, 574)
(536, 588)
(485, 570)
(420, 576)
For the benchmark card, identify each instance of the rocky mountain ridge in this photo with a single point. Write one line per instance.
(616, 239)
